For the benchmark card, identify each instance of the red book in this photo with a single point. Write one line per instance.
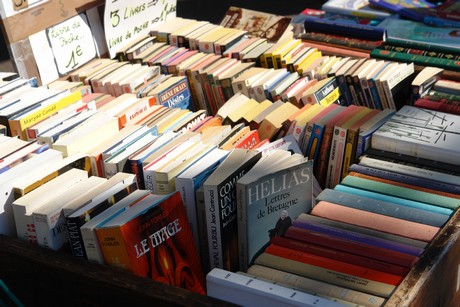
(153, 239)
(334, 265)
(452, 108)
(249, 141)
(375, 221)
(355, 247)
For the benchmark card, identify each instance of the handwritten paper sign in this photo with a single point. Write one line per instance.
(126, 20)
(72, 43)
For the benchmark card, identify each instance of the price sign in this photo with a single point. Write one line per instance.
(72, 43)
(126, 20)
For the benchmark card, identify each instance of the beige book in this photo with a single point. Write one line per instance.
(274, 120)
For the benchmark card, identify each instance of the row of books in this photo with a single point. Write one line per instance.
(413, 32)
(361, 238)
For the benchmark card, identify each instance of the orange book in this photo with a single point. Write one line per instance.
(375, 221)
(248, 141)
(404, 185)
(334, 265)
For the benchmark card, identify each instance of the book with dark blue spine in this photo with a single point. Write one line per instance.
(405, 178)
(346, 25)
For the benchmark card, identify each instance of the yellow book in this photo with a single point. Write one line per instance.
(299, 123)
(313, 55)
(207, 41)
(266, 59)
(279, 54)
(237, 114)
(229, 144)
(228, 40)
(273, 121)
(18, 124)
(252, 113)
(324, 92)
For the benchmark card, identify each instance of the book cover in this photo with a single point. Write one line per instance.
(420, 133)
(221, 207)
(414, 34)
(360, 8)
(153, 239)
(256, 23)
(172, 93)
(269, 197)
(410, 9)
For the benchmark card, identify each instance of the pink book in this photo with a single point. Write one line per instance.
(375, 221)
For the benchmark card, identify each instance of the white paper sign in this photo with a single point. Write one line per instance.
(72, 43)
(125, 20)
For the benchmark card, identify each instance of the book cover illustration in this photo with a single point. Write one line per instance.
(257, 24)
(420, 133)
(412, 9)
(158, 243)
(269, 203)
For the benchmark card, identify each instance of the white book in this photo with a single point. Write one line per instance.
(232, 104)
(151, 168)
(24, 206)
(261, 86)
(188, 182)
(49, 219)
(420, 133)
(87, 135)
(244, 290)
(8, 179)
(88, 232)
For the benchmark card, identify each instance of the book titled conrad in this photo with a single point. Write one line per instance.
(153, 239)
(221, 207)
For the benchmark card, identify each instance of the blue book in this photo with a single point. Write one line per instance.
(268, 90)
(349, 235)
(395, 200)
(405, 178)
(412, 9)
(346, 25)
(395, 210)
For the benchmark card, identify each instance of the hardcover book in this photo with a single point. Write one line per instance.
(153, 239)
(221, 208)
(276, 190)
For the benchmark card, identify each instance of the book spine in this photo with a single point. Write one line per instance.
(349, 152)
(416, 59)
(384, 207)
(335, 168)
(214, 227)
(325, 275)
(407, 179)
(313, 286)
(452, 107)
(75, 239)
(91, 245)
(242, 227)
(315, 24)
(340, 255)
(356, 243)
(113, 248)
(433, 54)
(337, 40)
(375, 221)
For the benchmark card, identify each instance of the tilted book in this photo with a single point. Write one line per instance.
(277, 189)
(221, 207)
(153, 239)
